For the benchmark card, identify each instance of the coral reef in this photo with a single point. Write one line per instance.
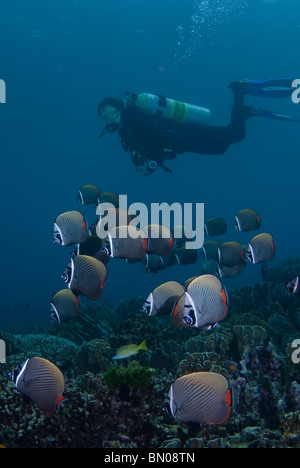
(60, 351)
(283, 272)
(128, 379)
(122, 405)
(93, 322)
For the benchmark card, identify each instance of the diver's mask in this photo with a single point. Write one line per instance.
(110, 114)
(112, 117)
(147, 168)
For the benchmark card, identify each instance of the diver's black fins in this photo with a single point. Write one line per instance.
(272, 88)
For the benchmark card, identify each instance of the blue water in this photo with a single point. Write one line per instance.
(60, 58)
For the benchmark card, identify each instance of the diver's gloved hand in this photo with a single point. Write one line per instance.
(146, 168)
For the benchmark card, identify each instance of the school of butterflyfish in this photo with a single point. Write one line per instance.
(201, 302)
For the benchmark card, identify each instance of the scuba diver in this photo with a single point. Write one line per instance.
(154, 128)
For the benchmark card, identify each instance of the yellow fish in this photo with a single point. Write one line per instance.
(129, 350)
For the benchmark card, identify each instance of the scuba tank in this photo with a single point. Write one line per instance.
(174, 110)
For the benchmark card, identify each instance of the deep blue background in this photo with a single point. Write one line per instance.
(60, 58)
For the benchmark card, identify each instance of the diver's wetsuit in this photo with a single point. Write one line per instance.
(156, 138)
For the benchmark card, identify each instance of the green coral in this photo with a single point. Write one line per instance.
(135, 375)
